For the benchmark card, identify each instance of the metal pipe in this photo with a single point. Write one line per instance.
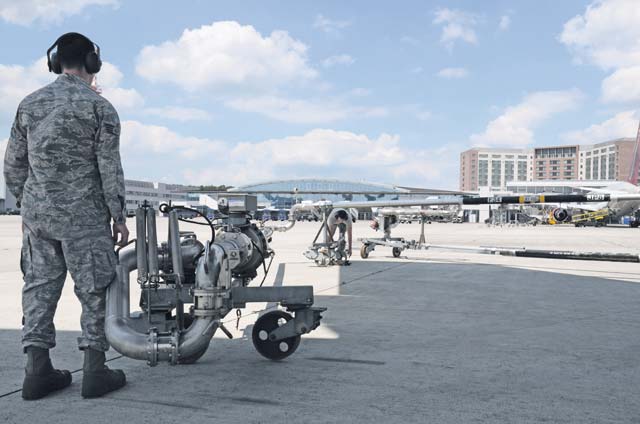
(119, 332)
(174, 245)
(284, 228)
(195, 340)
(141, 245)
(119, 327)
(152, 245)
(292, 216)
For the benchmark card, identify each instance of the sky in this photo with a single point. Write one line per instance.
(238, 92)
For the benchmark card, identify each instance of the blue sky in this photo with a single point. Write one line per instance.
(232, 92)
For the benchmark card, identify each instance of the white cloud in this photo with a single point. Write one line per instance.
(453, 73)
(505, 22)
(17, 81)
(327, 153)
(109, 79)
(330, 26)
(317, 153)
(515, 126)
(137, 137)
(123, 98)
(607, 35)
(297, 111)
(109, 75)
(226, 54)
(622, 86)
(342, 59)
(623, 124)
(177, 113)
(25, 12)
(456, 25)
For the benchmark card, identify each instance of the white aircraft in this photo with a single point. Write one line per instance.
(620, 207)
(562, 212)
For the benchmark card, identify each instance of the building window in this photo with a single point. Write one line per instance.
(496, 173)
(509, 171)
(483, 173)
(612, 166)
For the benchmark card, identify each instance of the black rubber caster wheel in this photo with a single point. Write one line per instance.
(396, 251)
(274, 350)
(364, 251)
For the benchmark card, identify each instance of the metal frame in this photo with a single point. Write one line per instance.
(211, 278)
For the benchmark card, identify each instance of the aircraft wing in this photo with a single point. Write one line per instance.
(493, 200)
(396, 203)
(591, 207)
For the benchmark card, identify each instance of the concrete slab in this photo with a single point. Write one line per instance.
(444, 337)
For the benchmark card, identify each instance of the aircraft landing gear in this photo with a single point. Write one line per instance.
(396, 251)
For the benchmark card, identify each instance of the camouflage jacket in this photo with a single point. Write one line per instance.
(62, 161)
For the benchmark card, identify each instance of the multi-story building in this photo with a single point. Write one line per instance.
(556, 163)
(610, 160)
(494, 168)
(137, 192)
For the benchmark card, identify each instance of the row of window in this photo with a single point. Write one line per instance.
(493, 156)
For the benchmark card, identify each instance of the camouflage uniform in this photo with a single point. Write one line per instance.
(62, 164)
(341, 253)
(341, 244)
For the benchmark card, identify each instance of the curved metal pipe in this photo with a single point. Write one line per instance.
(292, 216)
(131, 343)
(284, 228)
(195, 340)
(119, 332)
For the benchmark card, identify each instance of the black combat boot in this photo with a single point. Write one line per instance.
(40, 377)
(98, 379)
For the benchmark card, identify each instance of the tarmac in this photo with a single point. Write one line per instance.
(432, 336)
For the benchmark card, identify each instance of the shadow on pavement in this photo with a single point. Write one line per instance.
(418, 342)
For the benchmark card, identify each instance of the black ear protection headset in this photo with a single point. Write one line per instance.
(92, 61)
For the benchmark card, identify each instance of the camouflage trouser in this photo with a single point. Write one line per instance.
(341, 244)
(45, 261)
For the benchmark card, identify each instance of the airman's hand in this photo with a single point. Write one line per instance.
(123, 231)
